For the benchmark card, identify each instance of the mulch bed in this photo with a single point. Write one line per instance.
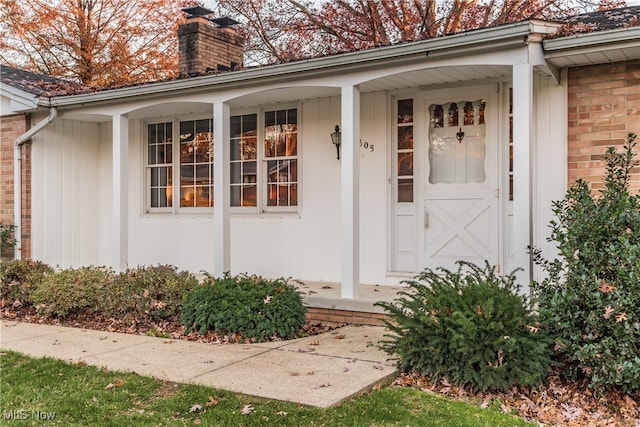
(555, 403)
(168, 328)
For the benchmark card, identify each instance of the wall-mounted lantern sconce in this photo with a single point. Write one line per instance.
(460, 135)
(336, 139)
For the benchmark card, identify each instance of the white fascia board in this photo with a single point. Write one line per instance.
(478, 41)
(583, 44)
(20, 101)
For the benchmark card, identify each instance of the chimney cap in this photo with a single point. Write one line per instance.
(196, 11)
(224, 21)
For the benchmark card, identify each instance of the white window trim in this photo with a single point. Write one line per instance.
(261, 208)
(175, 208)
(148, 209)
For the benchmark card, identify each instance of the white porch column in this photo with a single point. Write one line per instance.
(221, 192)
(522, 169)
(120, 169)
(350, 200)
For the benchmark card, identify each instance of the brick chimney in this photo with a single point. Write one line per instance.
(207, 46)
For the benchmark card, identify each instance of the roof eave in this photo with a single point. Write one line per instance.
(595, 42)
(472, 42)
(22, 101)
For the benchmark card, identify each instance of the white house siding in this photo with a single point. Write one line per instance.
(305, 244)
(72, 193)
(66, 196)
(549, 157)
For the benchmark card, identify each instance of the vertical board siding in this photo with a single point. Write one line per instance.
(65, 197)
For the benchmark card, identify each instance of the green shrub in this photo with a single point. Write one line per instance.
(152, 293)
(251, 306)
(590, 301)
(6, 237)
(66, 291)
(470, 326)
(18, 278)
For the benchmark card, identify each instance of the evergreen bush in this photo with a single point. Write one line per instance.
(470, 326)
(147, 293)
(251, 306)
(590, 301)
(69, 290)
(18, 278)
(6, 237)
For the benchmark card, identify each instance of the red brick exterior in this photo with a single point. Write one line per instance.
(331, 316)
(204, 48)
(604, 106)
(11, 127)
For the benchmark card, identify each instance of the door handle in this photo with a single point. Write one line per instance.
(426, 219)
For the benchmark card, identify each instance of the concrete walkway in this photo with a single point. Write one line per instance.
(321, 371)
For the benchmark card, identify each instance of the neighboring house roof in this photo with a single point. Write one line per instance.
(607, 19)
(39, 84)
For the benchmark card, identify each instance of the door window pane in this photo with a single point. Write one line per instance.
(457, 153)
(404, 151)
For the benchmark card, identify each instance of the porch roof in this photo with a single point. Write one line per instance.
(622, 44)
(487, 40)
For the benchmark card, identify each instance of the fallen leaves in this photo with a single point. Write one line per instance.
(116, 385)
(212, 401)
(247, 409)
(556, 403)
(621, 317)
(605, 287)
(608, 310)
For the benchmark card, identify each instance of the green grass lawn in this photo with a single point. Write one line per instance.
(32, 390)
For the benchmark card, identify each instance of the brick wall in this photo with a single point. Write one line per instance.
(331, 316)
(11, 127)
(204, 47)
(604, 106)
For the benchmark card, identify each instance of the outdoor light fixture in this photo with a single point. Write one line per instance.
(336, 139)
(460, 135)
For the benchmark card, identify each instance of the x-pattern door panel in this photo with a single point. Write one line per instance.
(460, 203)
(458, 227)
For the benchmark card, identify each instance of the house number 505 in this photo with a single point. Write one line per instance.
(366, 146)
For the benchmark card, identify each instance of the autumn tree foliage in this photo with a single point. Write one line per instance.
(282, 30)
(100, 43)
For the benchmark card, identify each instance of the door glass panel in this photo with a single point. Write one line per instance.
(457, 145)
(404, 151)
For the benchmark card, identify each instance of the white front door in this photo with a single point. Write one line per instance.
(460, 192)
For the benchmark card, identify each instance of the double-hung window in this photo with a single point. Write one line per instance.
(160, 165)
(196, 163)
(193, 140)
(264, 160)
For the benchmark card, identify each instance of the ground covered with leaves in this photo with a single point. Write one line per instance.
(556, 403)
(166, 328)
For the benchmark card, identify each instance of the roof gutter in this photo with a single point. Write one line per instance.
(17, 177)
(597, 42)
(473, 42)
